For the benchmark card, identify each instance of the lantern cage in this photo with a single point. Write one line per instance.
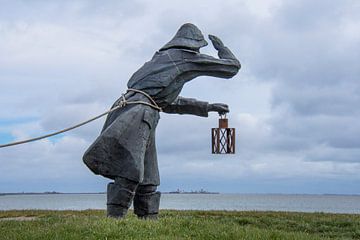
(223, 138)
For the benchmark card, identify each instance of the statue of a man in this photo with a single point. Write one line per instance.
(125, 150)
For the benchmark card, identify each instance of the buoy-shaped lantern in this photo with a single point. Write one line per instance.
(223, 138)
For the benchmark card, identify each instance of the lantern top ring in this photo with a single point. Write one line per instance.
(222, 115)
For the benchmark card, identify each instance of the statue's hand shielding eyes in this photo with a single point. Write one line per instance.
(217, 43)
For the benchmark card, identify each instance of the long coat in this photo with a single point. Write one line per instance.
(126, 146)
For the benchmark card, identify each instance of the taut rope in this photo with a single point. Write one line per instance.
(121, 104)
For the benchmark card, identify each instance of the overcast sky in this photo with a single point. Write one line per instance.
(294, 104)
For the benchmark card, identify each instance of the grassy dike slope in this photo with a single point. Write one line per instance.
(92, 224)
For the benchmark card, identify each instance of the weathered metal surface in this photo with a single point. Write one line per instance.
(126, 146)
(223, 123)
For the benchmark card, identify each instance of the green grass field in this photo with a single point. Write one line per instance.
(92, 224)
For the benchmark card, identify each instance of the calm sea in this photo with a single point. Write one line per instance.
(263, 202)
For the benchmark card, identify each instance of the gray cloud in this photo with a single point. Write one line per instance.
(294, 103)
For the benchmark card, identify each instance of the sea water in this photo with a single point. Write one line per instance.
(239, 202)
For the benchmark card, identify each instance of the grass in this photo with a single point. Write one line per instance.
(92, 224)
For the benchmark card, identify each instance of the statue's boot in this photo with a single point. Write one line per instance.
(147, 202)
(120, 194)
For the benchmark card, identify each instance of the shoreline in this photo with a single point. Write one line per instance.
(171, 192)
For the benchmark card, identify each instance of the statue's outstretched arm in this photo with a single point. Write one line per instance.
(183, 105)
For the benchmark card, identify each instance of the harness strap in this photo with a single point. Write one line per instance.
(153, 104)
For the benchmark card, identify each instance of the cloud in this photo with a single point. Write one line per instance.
(294, 103)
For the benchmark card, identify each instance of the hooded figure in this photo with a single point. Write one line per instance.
(125, 151)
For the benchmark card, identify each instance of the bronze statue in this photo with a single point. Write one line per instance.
(125, 151)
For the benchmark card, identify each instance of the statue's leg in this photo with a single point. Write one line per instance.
(146, 202)
(119, 197)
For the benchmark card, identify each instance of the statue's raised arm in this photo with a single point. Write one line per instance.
(226, 66)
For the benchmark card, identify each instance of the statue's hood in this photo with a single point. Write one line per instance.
(189, 37)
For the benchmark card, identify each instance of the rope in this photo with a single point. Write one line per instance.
(153, 105)
(146, 95)
(121, 104)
